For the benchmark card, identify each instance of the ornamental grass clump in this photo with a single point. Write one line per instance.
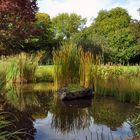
(66, 65)
(72, 66)
(121, 82)
(86, 67)
(21, 68)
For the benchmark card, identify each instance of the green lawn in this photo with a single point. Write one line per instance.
(45, 73)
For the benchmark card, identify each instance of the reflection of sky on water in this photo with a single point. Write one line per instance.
(94, 132)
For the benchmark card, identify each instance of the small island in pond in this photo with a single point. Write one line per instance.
(73, 92)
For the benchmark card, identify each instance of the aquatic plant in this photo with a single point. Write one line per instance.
(66, 64)
(2, 74)
(21, 68)
(86, 68)
(4, 132)
(72, 65)
(117, 81)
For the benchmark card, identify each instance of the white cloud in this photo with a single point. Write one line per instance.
(87, 8)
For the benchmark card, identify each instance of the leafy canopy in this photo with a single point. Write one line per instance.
(113, 28)
(17, 17)
(65, 25)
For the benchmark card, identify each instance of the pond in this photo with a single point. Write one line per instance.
(43, 116)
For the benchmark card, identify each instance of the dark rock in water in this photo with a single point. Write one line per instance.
(68, 95)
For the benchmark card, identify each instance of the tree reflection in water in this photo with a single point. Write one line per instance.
(68, 118)
(110, 112)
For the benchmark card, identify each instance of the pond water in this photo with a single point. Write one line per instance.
(41, 114)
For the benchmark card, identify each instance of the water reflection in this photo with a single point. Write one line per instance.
(20, 98)
(67, 119)
(110, 112)
(52, 119)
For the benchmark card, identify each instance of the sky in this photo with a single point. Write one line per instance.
(87, 8)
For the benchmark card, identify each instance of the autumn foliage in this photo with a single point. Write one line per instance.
(16, 20)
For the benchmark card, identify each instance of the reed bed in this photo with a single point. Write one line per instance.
(66, 65)
(20, 68)
(72, 66)
(122, 83)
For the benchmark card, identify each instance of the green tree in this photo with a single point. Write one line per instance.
(86, 40)
(66, 25)
(113, 28)
(44, 24)
(44, 39)
(135, 27)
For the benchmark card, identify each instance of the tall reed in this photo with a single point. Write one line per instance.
(86, 68)
(72, 65)
(2, 74)
(66, 65)
(21, 68)
(119, 81)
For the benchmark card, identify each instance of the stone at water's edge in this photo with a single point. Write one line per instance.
(67, 95)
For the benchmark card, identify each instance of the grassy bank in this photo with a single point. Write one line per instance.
(4, 122)
(122, 82)
(19, 68)
(46, 72)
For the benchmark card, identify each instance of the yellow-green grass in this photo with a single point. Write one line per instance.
(74, 87)
(2, 74)
(44, 73)
(19, 68)
(123, 82)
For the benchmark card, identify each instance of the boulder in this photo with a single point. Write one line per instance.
(82, 94)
